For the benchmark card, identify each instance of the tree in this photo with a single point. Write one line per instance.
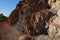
(2, 17)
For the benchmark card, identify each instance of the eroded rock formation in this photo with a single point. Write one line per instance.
(33, 15)
(32, 18)
(54, 22)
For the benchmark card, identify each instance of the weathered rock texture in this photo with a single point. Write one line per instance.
(54, 22)
(54, 3)
(31, 18)
(54, 25)
(33, 15)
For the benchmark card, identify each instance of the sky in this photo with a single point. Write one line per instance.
(7, 6)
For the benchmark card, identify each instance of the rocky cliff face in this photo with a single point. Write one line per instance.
(32, 18)
(31, 14)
